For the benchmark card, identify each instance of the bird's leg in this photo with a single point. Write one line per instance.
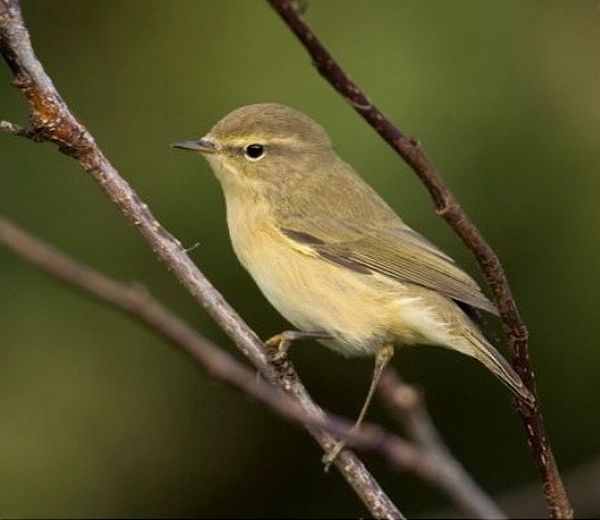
(382, 358)
(280, 343)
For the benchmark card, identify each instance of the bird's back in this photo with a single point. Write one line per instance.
(344, 220)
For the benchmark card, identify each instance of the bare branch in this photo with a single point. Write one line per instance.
(51, 120)
(526, 501)
(407, 405)
(582, 482)
(448, 207)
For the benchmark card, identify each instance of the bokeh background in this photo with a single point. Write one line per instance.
(100, 418)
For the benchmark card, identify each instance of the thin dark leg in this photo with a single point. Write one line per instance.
(382, 358)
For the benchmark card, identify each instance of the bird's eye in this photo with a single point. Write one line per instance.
(255, 151)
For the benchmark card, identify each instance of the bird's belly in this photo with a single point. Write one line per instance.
(316, 295)
(360, 311)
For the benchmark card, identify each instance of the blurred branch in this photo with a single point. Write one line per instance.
(418, 457)
(52, 121)
(407, 405)
(582, 483)
(448, 207)
(526, 501)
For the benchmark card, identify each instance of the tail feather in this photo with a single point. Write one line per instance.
(440, 321)
(496, 363)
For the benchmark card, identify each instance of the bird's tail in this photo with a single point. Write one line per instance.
(496, 363)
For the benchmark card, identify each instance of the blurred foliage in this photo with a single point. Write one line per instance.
(100, 418)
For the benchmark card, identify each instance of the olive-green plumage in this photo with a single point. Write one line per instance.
(328, 252)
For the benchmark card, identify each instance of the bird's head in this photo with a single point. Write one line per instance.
(263, 145)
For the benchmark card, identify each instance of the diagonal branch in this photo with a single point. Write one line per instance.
(52, 121)
(407, 405)
(448, 207)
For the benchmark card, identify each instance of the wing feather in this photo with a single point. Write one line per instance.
(397, 252)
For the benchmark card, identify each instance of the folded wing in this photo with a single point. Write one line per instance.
(395, 251)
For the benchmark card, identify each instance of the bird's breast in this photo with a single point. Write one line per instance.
(248, 222)
(308, 291)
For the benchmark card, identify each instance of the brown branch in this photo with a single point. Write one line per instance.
(406, 404)
(582, 482)
(134, 300)
(448, 207)
(527, 502)
(52, 121)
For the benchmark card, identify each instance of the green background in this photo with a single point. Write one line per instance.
(100, 418)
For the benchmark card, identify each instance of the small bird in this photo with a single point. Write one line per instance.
(328, 252)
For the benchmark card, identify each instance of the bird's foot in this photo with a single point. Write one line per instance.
(279, 344)
(330, 456)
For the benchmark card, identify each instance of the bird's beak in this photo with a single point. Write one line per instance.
(204, 146)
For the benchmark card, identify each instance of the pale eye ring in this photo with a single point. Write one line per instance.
(255, 151)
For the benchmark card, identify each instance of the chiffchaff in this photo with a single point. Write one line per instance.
(329, 254)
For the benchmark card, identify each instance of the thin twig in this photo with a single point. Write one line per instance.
(52, 121)
(582, 483)
(448, 207)
(527, 502)
(11, 128)
(406, 404)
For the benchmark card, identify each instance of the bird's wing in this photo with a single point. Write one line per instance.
(395, 251)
